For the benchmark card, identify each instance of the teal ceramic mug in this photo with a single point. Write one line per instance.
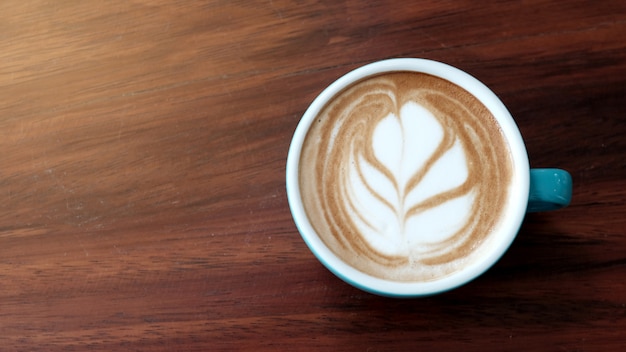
(409, 177)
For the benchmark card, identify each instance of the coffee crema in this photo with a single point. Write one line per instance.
(404, 175)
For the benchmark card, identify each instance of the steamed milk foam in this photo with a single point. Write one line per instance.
(404, 175)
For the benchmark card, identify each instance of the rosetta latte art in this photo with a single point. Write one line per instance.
(404, 175)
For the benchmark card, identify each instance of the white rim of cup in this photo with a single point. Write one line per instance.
(518, 193)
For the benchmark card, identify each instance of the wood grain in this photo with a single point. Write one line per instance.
(142, 158)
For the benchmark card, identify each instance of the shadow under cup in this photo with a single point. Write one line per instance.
(405, 147)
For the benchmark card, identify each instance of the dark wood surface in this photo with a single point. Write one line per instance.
(142, 158)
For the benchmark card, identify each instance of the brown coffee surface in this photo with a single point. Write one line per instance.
(338, 153)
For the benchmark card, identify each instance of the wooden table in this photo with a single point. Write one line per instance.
(142, 159)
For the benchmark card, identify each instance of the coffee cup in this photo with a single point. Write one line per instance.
(409, 177)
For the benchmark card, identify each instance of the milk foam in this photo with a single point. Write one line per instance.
(404, 176)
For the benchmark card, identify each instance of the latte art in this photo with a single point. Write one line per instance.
(404, 175)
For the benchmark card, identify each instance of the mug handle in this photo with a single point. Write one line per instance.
(550, 189)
